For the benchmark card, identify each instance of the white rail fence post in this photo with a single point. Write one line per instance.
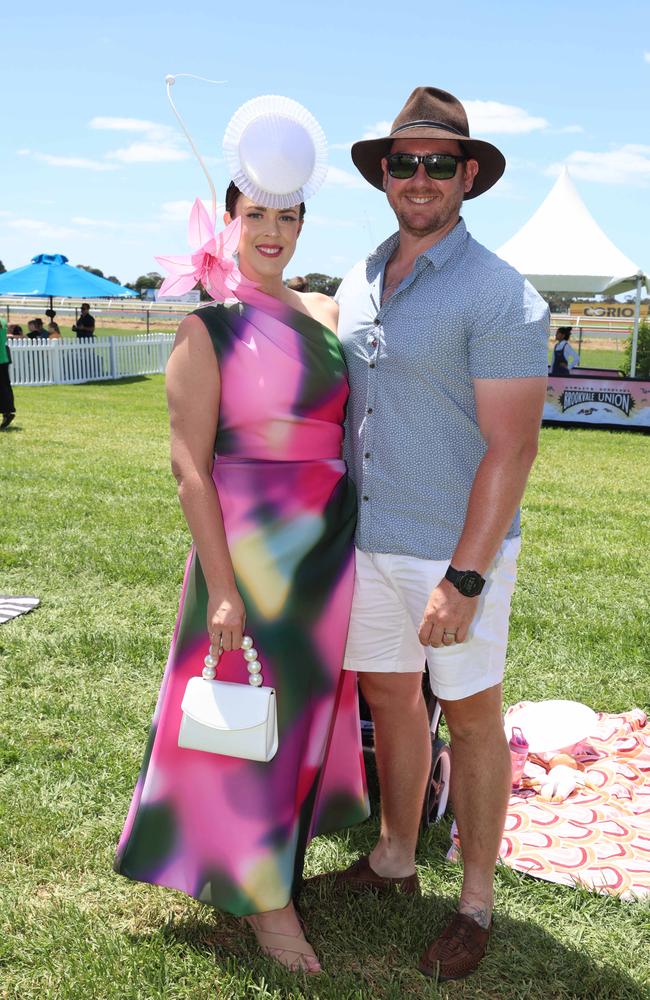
(112, 356)
(70, 362)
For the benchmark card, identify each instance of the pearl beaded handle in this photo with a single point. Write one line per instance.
(254, 666)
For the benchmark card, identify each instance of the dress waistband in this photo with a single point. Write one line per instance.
(222, 461)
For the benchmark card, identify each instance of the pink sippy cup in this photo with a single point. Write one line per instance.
(518, 754)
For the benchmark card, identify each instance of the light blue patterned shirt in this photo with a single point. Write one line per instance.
(413, 444)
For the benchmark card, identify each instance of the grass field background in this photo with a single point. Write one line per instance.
(91, 525)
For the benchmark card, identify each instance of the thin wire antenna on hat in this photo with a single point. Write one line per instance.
(170, 80)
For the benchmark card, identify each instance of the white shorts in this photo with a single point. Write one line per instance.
(390, 595)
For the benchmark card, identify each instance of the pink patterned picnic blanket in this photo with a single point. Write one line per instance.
(600, 836)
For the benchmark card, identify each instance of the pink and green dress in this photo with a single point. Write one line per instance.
(229, 832)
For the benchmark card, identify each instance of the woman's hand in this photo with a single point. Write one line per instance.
(226, 620)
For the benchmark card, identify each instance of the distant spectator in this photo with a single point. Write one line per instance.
(7, 406)
(37, 330)
(53, 332)
(564, 356)
(85, 326)
(298, 284)
(14, 331)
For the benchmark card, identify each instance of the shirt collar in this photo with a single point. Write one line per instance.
(438, 254)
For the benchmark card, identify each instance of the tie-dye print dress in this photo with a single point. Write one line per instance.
(230, 832)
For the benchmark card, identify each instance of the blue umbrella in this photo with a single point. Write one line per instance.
(49, 274)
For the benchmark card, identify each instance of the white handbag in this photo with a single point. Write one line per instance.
(236, 720)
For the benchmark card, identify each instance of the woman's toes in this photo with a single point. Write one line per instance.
(312, 965)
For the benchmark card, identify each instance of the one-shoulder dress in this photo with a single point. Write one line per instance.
(231, 832)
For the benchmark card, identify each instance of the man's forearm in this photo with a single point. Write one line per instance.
(497, 490)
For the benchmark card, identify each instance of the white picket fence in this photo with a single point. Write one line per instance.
(67, 362)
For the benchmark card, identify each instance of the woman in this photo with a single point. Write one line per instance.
(272, 518)
(564, 356)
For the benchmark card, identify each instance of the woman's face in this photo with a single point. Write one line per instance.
(268, 237)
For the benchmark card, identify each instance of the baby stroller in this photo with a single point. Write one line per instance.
(436, 796)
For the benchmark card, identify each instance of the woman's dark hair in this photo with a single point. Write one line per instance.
(565, 331)
(233, 193)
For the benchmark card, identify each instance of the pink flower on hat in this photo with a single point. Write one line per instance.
(212, 262)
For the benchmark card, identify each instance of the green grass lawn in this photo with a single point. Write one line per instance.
(91, 524)
(597, 358)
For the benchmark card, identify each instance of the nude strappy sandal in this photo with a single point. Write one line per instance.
(292, 946)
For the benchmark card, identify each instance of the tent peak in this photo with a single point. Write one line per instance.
(50, 258)
(561, 248)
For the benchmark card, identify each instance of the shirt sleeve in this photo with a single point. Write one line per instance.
(509, 331)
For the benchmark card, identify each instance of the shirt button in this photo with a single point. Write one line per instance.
(369, 410)
(376, 322)
(365, 498)
(367, 455)
(372, 364)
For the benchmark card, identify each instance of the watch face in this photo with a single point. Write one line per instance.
(470, 584)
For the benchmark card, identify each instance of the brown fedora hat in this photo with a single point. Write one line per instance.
(430, 113)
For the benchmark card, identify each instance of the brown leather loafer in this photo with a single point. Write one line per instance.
(458, 950)
(361, 877)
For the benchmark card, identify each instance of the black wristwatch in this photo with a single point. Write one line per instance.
(467, 582)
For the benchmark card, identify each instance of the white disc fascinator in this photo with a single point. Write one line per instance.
(276, 151)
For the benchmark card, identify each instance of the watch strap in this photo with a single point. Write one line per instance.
(457, 577)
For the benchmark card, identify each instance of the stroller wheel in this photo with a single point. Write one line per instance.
(437, 793)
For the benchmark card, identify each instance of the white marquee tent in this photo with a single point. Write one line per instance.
(563, 249)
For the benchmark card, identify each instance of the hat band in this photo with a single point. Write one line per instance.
(425, 123)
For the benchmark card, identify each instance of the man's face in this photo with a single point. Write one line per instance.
(423, 206)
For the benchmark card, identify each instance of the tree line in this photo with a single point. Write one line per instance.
(152, 280)
(317, 283)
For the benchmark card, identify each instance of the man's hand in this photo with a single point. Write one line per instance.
(447, 616)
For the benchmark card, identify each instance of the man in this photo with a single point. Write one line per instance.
(7, 405)
(298, 284)
(447, 351)
(85, 327)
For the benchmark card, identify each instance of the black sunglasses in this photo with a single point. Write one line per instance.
(439, 166)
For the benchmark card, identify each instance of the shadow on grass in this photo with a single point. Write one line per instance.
(370, 947)
(617, 430)
(108, 382)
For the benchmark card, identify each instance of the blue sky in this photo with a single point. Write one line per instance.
(94, 165)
